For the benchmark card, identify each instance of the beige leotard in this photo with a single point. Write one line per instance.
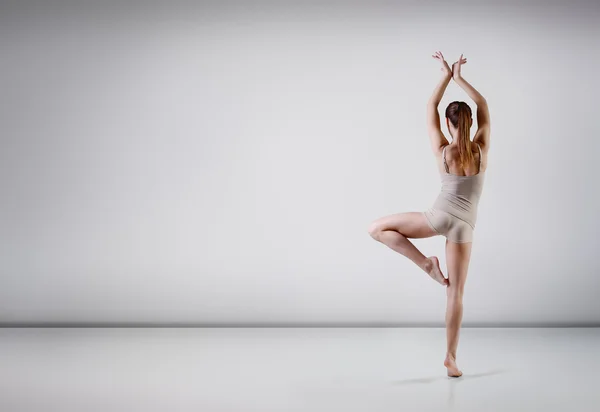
(454, 212)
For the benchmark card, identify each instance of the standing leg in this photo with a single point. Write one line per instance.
(394, 231)
(458, 256)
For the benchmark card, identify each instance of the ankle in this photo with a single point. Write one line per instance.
(427, 265)
(450, 356)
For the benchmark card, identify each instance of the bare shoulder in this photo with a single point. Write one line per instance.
(439, 154)
(482, 138)
(439, 149)
(483, 155)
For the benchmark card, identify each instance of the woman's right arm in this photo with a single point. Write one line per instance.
(482, 136)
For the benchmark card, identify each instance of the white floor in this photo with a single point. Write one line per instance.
(302, 369)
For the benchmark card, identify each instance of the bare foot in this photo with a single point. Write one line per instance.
(450, 364)
(432, 268)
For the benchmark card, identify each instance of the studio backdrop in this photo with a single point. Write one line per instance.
(219, 163)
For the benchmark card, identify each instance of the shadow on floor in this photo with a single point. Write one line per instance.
(439, 378)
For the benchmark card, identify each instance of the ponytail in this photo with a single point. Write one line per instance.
(464, 135)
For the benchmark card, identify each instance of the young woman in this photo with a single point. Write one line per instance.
(462, 165)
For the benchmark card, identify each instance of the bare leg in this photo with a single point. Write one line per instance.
(394, 231)
(458, 256)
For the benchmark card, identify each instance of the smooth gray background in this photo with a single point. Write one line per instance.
(219, 163)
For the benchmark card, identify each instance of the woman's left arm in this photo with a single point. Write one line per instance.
(437, 138)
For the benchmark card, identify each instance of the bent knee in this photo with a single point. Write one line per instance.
(374, 230)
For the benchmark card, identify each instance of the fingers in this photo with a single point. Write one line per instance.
(438, 55)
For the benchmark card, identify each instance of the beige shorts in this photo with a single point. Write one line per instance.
(451, 227)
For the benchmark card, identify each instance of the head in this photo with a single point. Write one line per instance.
(459, 121)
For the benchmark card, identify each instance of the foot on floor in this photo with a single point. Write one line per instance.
(450, 364)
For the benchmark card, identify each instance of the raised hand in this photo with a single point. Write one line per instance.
(456, 67)
(445, 68)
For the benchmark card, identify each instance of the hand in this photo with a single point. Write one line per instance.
(456, 67)
(445, 68)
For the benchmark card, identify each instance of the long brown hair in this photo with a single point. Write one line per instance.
(459, 114)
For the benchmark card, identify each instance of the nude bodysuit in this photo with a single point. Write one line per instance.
(454, 212)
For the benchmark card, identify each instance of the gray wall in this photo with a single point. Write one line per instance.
(219, 163)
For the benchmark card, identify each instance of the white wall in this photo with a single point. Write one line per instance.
(220, 163)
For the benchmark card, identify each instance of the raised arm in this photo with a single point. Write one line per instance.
(482, 136)
(436, 137)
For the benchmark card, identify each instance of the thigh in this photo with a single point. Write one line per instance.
(458, 256)
(410, 224)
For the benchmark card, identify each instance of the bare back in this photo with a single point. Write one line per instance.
(453, 161)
